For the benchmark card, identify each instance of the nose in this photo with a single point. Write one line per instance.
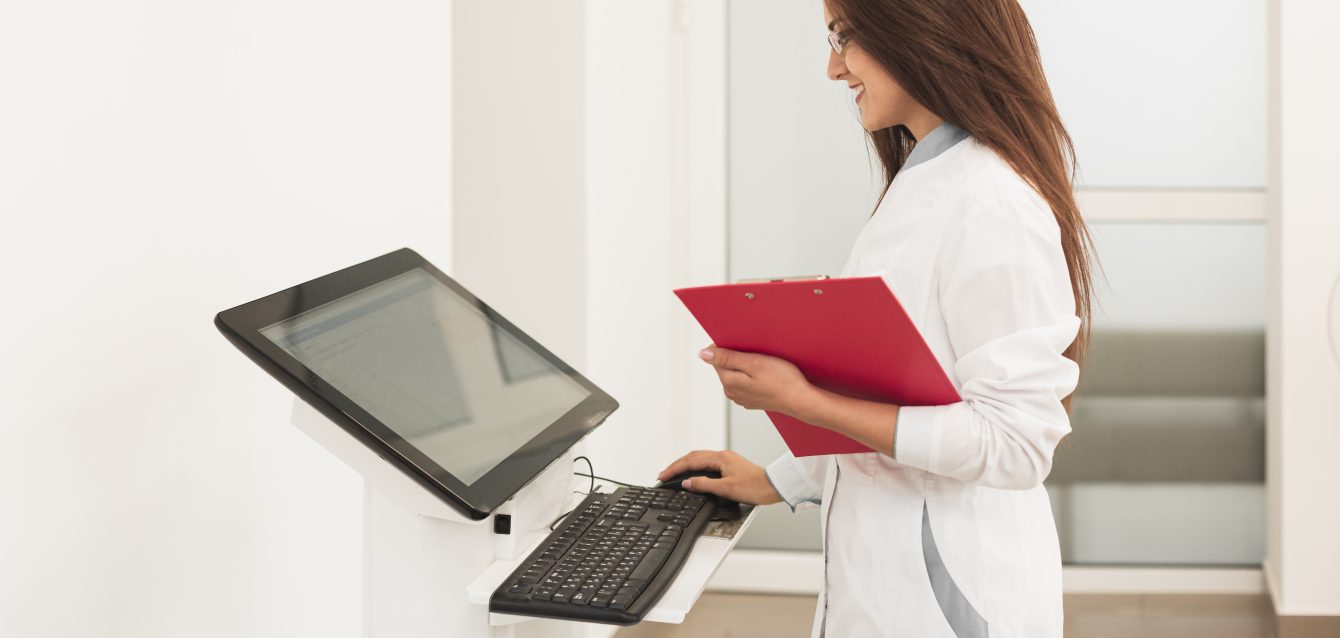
(837, 67)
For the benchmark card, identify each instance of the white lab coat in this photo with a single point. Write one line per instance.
(953, 537)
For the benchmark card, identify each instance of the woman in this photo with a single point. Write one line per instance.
(946, 530)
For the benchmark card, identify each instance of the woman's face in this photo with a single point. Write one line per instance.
(882, 102)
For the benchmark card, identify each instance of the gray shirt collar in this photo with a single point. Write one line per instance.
(937, 141)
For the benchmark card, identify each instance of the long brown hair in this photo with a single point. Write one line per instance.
(975, 63)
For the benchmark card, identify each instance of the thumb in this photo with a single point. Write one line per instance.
(726, 359)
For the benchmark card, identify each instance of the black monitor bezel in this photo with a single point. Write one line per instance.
(242, 326)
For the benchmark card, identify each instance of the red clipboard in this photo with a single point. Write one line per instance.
(849, 336)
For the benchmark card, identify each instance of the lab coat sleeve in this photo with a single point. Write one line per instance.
(799, 481)
(1009, 310)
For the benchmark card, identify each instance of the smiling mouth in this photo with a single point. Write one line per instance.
(860, 91)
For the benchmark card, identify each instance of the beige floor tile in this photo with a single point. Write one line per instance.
(1305, 627)
(1105, 604)
(1204, 616)
(1184, 605)
(736, 616)
(1087, 616)
(1103, 616)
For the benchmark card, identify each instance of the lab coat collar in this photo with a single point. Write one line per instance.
(937, 141)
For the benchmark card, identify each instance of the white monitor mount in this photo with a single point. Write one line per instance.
(421, 555)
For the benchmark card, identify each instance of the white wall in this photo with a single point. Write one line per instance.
(160, 161)
(1303, 407)
(519, 196)
(634, 241)
(655, 222)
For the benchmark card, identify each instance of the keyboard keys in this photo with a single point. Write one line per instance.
(604, 557)
(564, 594)
(650, 564)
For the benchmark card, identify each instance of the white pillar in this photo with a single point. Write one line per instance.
(518, 164)
(1303, 377)
(519, 176)
(580, 202)
(634, 182)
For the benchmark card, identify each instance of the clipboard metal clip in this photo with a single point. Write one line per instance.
(777, 280)
(773, 280)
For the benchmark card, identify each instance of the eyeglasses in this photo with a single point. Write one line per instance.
(838, 40)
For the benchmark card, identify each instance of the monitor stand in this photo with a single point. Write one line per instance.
(420, 555)
(428, 572)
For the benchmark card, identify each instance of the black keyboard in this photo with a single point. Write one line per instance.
(610, 560)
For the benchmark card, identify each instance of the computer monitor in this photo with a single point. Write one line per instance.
(420, 370)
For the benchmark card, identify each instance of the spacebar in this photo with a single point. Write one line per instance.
(651, 563)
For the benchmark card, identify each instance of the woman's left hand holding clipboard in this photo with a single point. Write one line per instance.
(759, 381)
(763, 382)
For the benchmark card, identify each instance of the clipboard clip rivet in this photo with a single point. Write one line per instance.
(817, 291)
(748, 295)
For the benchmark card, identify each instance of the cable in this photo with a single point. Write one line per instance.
(591, 475)
(564, 515)
(590, 468)
(560, 517)
(589, 491)
(607, 480)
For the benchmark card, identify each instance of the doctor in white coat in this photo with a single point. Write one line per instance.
(945, 531)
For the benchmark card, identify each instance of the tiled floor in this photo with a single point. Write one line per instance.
(1087, 616)
(1167, 616)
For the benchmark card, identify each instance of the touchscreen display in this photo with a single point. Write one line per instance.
(434, 368)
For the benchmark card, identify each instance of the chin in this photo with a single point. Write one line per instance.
(875, 122)
(874, 125)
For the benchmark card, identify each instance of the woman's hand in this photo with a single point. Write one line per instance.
(758, 381)
(740, 480)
